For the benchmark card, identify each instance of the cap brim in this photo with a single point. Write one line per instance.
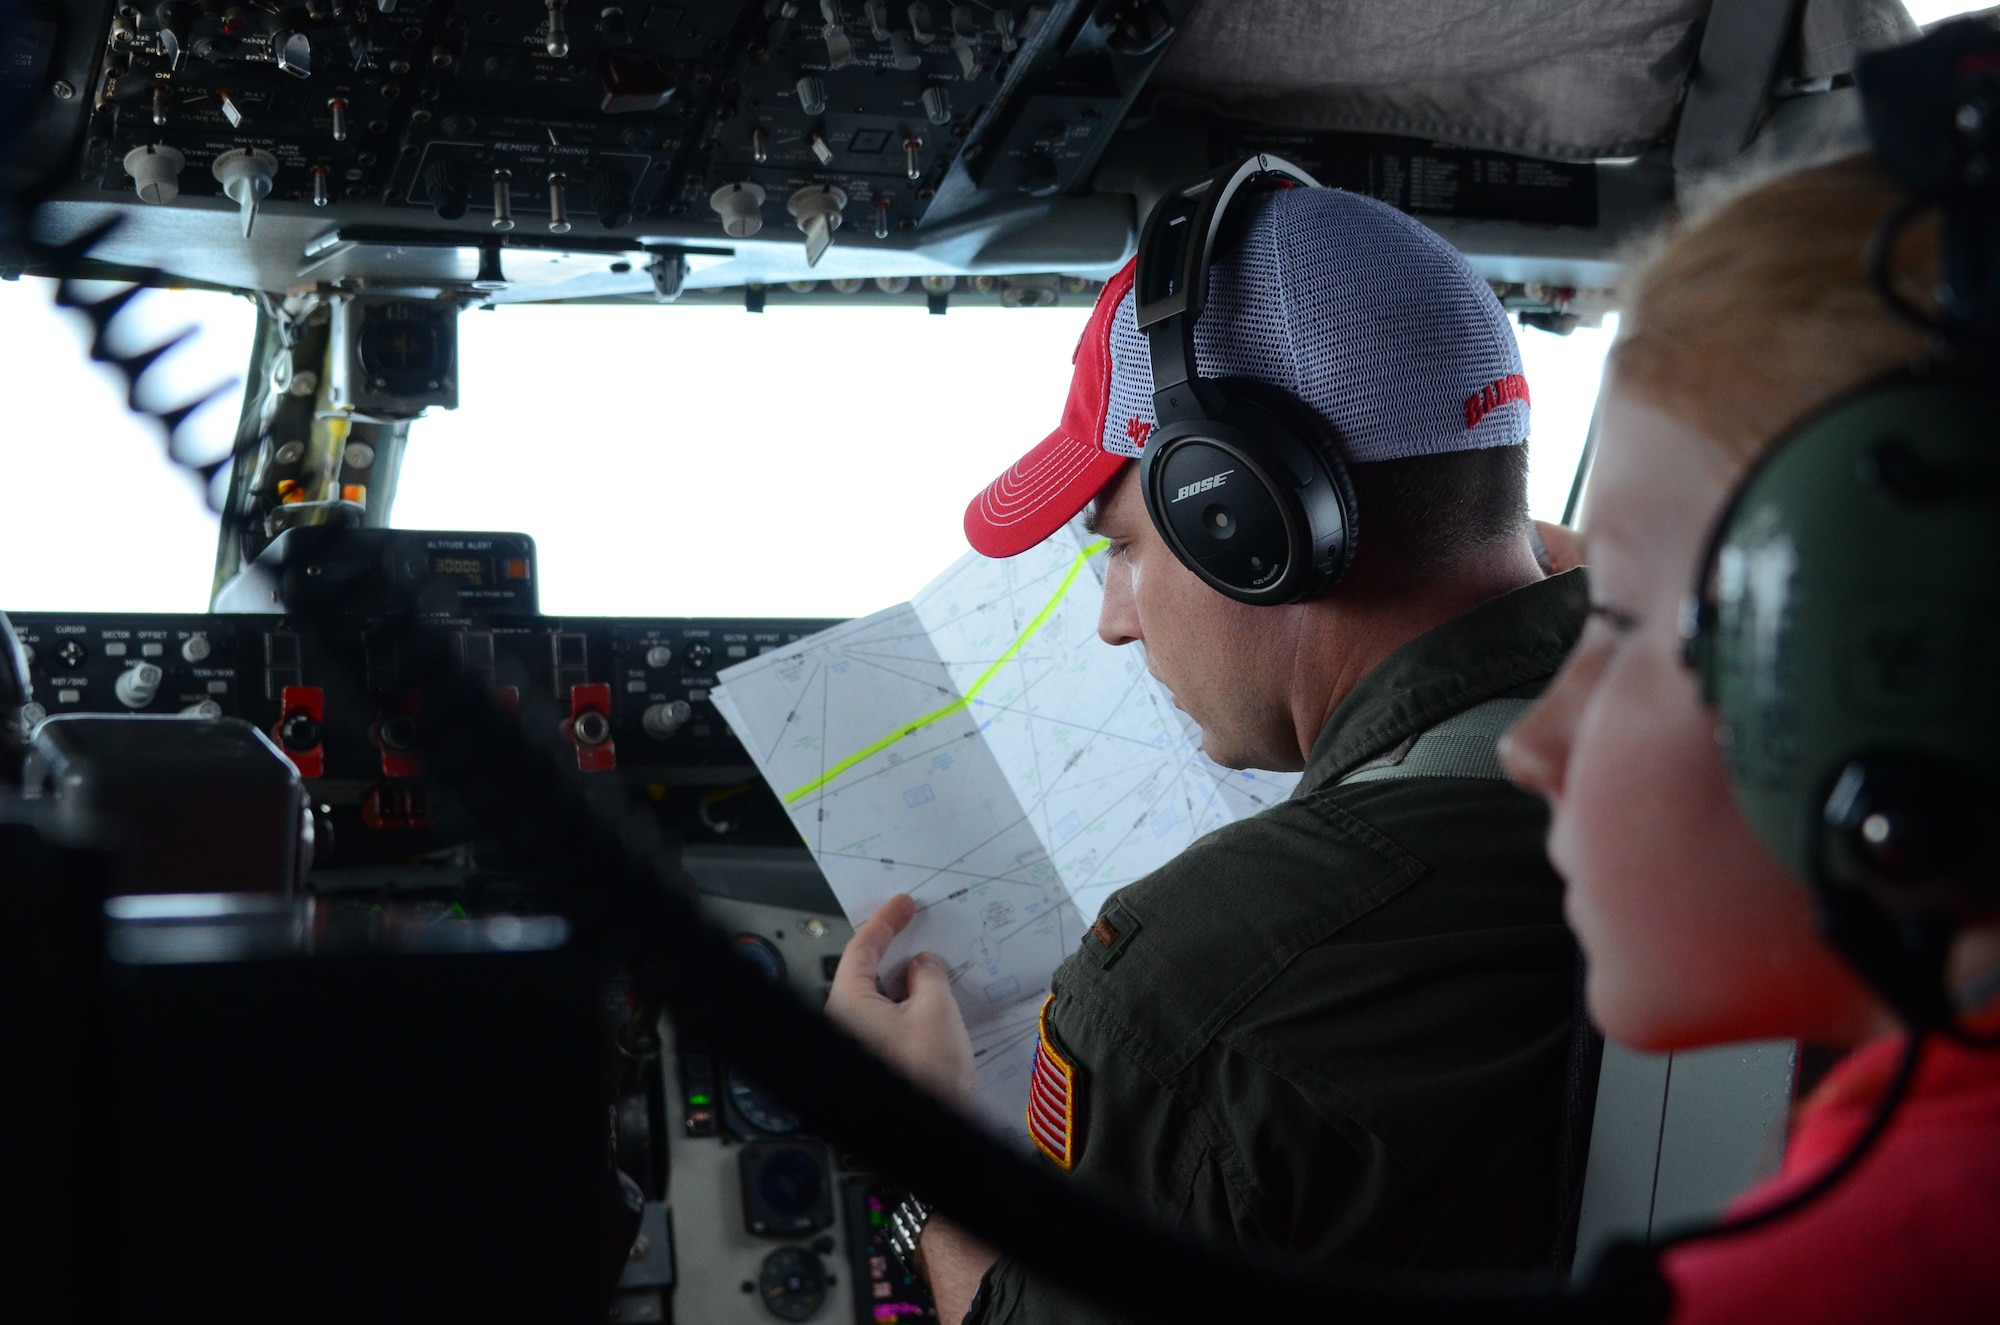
(1038, 495)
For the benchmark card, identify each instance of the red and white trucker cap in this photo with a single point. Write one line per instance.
(1343, 301)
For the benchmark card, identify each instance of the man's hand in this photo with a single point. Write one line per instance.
(923, 1034)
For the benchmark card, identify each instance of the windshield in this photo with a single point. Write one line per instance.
(694, 461)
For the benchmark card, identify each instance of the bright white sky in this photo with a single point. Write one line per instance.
(668, 461)
(1931, 11)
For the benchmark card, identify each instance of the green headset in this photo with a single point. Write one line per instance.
(1845, 623)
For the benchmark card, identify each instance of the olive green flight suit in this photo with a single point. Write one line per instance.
(1340, 1029)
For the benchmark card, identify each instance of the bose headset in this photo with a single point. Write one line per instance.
(1243, 480)
(1845, 624)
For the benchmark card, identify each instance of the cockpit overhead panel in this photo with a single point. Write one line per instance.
(635, 127)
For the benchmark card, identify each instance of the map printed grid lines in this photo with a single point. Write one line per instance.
(982, 750)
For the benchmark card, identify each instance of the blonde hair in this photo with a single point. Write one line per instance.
(1747, 319)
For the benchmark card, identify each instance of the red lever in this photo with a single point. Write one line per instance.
(301, 713)
(589, 728)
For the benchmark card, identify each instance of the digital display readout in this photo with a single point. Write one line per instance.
(472, 571)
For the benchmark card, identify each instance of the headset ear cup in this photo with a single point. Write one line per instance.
(1260, 514)
(1843, 638)
(1291, 418)
(1221, 511)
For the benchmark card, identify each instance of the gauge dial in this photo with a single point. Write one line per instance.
(761, 953)
(792, 1283)
(757, 1109)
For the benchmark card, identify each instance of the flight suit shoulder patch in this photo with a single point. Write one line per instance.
(1052, 1098)
(1114, 931)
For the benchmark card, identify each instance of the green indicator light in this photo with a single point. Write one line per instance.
(696, 1101)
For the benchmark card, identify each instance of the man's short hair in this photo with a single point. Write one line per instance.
(1429, 512)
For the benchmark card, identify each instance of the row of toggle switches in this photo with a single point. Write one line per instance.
(247, 174)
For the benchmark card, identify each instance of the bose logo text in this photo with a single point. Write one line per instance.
(1209, 484)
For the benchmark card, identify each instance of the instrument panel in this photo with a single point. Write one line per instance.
(769, 1222)
(628, 699)
(746, 1216)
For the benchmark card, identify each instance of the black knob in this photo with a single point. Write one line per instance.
(445, 186)
(610, 193)
(298, 731)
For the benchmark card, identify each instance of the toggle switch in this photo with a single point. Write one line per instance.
(589, 727)
(967, 52)
(301, 715)
(136, 685)
(395, 735)
(758, 152)
(160, 104)
(245, 174)
(155, 172)
(558, 37)
(293, 53)
(174, 27)
(661, 721)
(558, 203)
(839, 46)
(912, 166)
(738, 205)
(503, 200)
(817, 209)
(881, 218)
(337, 107)
(322, 186)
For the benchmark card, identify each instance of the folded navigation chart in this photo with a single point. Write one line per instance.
(979, 748)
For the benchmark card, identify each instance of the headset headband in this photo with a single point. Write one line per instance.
(1171, 282)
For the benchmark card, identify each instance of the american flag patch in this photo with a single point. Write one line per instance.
(1052, 1099)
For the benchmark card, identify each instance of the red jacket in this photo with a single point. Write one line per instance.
(1912, 1235)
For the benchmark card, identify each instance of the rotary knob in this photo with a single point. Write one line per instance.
(136, 686)
(245, 174)
(155, 172)
(738, 205)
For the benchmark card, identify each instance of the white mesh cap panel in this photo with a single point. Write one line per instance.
(1359, 311)
(1130, 414)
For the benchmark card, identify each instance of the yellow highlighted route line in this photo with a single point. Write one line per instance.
(960, 704)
